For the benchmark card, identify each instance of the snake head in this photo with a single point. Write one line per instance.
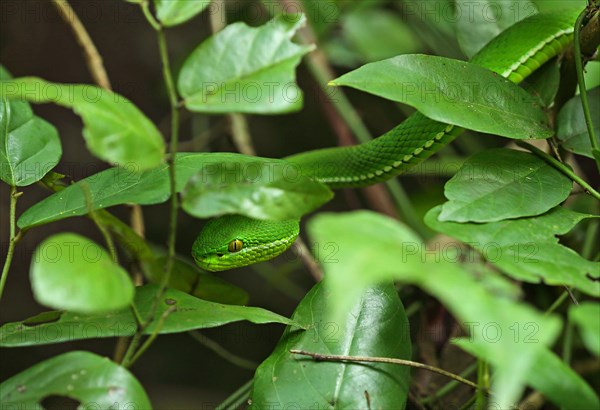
(233, 241)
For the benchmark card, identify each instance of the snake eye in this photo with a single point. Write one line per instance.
(235, 245)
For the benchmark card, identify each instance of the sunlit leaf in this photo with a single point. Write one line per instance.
(73, 273)
(115, 130)
(527, 249)
(29, 146)
(245, 69)
(453, 92)
(374, 249)
(174, 12)
(586, 316)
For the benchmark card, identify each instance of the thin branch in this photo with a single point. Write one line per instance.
(581, 20)
(92, 57)
(309, 261)
(389, 360)
(13, 237)
(222, 352)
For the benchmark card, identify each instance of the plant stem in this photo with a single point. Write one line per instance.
(221, 351)
(451, 385)
(13, 238)
(168, 77)
(150, 339)
(389, 360)
(559, 166)
(582, 89)
(483, 383)
(237, 397)
(557, 303)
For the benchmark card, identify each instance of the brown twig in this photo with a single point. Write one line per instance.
(389, 360)
(309, 261)
(92, 57)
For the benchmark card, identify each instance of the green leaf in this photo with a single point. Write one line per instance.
(586, 316)
(187, 278)
(95, 381)
(479, 22)
(527, 249)
(73, 273)
(453, 92)
(121, 185)
(29, 145)
(373, 249)
(262, 190)
(186, 313)
(375, 325)
(547, 374)
(498, 184)
(115, 130)
(174, 12)
(377, 34)
(570, 123)
(245, 69)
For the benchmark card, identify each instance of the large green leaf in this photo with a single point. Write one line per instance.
(121, 185)
(527, 248)
(547, 374)
(454, 92)
(570, 123)
(373, 249)
(499, 184)
(174, 12)
(115, 130)
(587, 318)
(375, 325)
(29, 145)
(261, 190)
(186, 313)
(73, 273)
(480, 21)
(245, 69)
(93, 380)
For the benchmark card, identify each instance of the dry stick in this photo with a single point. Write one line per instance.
(96, 68)
(92, 57)
(389, 360)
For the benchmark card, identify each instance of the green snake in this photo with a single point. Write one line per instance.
(234, 241)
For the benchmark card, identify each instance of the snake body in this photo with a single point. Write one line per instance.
(515, 54)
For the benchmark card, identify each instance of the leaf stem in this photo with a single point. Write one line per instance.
(151, 338)
(237, 397)
(101, 227)
(483, 381)
(389, 360)
(582, 88)
(451, 385)
(168, 77)
(13, 237)
(559, 166)
(222, 352)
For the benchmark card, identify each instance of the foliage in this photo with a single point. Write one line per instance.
(496, 261)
